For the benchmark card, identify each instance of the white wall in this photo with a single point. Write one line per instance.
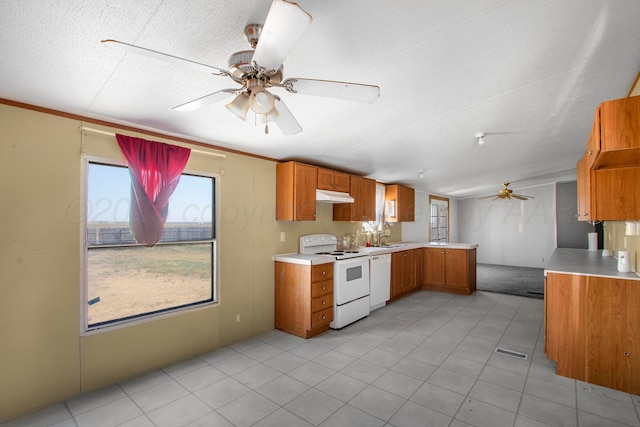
(418, 230)
(519, 233)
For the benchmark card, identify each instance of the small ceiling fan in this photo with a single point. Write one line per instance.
(507, 194)
(260, 69)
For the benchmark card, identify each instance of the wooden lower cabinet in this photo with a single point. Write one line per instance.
(403, 273)
(303, 298)
(450, 270)
(592, 329)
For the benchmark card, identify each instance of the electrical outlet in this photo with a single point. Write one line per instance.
(282, 236)
(237, 318)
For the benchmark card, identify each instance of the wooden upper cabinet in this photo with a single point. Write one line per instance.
(620, 121)
(609, 172)
(619, 133)
(363, 191)
(617, 193)
(296, 185)
(403, 201)
(329, 179)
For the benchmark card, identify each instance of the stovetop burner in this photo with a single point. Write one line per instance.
(325, 245)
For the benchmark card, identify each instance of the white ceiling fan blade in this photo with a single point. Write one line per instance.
(285, 24)
(163, 57)
(212, 98)
(285, 121)
(330, 89)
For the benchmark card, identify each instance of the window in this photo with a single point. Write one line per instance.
(125, 280)
(439, 222)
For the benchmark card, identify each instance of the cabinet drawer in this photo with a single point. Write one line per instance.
(320, 303)
(319, 289)
(322, 317)
(321, 272)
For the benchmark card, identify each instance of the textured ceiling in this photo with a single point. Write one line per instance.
(527, 73)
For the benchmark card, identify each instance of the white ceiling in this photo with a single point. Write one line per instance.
(527, 73)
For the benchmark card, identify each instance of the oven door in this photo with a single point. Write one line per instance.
(350, 279)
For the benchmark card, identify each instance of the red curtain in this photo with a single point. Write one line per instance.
(155, 170)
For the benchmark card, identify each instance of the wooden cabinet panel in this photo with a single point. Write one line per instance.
(434, 266)
(585, 210)
(403, 199)
(321, 303)
(450, 270)
(296, 192)
(403, 273)
(620, 123)
(363, 191)
(321, 318)
(303, 298)
(617, 193)
(321, 288)
(608, 172)
(593, 329)
(329, 179)
(322, 272)
(456, 271)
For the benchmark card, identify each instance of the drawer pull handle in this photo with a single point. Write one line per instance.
(324, 302)
(626, 353)
(324, 273)
(324, 317)
(324, 288)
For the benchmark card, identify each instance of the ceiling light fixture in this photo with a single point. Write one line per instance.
(480, 138)
(239, 106)
(421, 173)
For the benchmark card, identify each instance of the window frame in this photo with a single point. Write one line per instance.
(439, 199)
(84, 245)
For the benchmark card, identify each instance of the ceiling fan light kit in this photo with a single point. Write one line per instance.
(507, 194)
(480, 136)
(259, 69)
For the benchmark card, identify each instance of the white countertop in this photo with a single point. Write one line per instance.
(585, 263)
(296, 258)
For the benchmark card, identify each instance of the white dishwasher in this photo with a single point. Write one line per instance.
(380, 280)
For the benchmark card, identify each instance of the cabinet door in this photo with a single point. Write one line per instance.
(326, 179)
(406, 199)
(341, 182)
(620, 123)
(295, 192)
(612, 333)
(456, 268)
(434, 266)
(368, 199)
(617, 194)
(396, 274)
(305, 178)
(408, 270)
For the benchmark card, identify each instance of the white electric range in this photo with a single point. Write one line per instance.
(350, 278)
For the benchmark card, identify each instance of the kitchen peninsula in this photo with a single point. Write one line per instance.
(592, 319)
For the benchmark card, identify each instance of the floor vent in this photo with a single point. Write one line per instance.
(511, 353)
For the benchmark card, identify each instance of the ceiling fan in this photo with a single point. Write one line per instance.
(507, 194)
(260, 69)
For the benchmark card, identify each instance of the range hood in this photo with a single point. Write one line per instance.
(326, 196)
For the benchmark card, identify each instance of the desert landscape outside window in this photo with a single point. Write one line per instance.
(126, 280)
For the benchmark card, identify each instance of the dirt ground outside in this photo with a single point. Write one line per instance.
(135, 280)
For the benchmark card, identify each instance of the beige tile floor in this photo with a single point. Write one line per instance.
(425, 360)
